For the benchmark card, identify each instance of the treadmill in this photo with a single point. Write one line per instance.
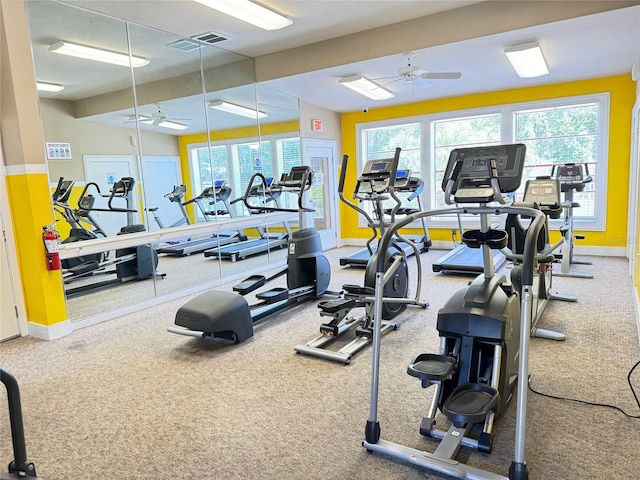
(216, 195)
(266, 241)
(404, 183)
(466, 260)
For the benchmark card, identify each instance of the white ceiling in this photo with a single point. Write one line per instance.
(584, 47)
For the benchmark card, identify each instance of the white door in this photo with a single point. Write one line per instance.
(105, 170)
(9, 326)
(9, 322)
(320, 155)
(159, 175)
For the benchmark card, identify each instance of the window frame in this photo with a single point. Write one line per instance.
(507, 135)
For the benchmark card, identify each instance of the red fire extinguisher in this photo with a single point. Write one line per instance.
(51, 240)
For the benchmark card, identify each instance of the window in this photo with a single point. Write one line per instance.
(560, 135)
(236, 161)
(555, 132)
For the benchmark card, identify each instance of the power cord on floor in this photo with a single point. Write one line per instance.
(584, 402)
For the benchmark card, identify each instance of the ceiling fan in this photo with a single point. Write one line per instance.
(413, 74)
(159, 119)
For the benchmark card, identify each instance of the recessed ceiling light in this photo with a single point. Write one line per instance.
(97, 54)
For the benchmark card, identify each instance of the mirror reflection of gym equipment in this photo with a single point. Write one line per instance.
(213, 202)
(484, 328)
(135, 263)
(268, 192)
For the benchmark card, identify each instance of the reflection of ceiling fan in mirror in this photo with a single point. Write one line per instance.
(159, 119)
(415, 75)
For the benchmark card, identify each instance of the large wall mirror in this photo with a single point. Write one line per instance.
(156, 142)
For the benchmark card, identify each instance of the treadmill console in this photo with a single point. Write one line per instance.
(375, 177)
(472, 169)
(298, 177)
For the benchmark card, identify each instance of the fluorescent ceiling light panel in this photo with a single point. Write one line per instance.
(91, 53)
(366, 87)
(170, 124)
(49, 87)
(236, 109)
(249, 12)
(527, 59)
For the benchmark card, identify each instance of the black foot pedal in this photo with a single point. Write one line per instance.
(470, 403)
(250, 284)
(358, 290)
(274, 296)
(334, 306)
(430, 367)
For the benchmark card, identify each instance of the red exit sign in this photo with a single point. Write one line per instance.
(316, 125)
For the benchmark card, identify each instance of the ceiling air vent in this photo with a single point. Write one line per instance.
(184, 45)
(210, 37)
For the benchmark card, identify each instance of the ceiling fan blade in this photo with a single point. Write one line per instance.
(141, 119)
(421, 83)
(441, 75)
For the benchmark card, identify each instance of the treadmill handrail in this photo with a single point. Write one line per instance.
(264, 208)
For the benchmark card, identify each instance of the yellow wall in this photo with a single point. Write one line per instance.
(43, 290)
(622, 98)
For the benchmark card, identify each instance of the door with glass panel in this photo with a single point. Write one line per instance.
(320, 155)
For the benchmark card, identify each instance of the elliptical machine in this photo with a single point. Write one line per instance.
(132, 263)
(484, 327)
(376, 184)
(228, 315)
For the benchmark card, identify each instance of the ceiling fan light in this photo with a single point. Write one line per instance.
(527, 59)
(236, 109)
(366, 87)
(249, 12)
(97, 54)
(49, 87)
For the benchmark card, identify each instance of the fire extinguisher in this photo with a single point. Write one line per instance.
(51, 240)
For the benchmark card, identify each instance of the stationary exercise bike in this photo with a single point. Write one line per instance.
(375, 184)
(573, 177)
(484, 328)
(542, 193)
(228, 315)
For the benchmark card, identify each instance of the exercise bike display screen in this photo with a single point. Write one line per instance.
(542, 192)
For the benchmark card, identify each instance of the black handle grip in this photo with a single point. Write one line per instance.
(343, 173)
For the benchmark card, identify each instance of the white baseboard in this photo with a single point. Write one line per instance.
(52, 332)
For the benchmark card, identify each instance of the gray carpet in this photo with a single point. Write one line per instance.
(126, 399)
